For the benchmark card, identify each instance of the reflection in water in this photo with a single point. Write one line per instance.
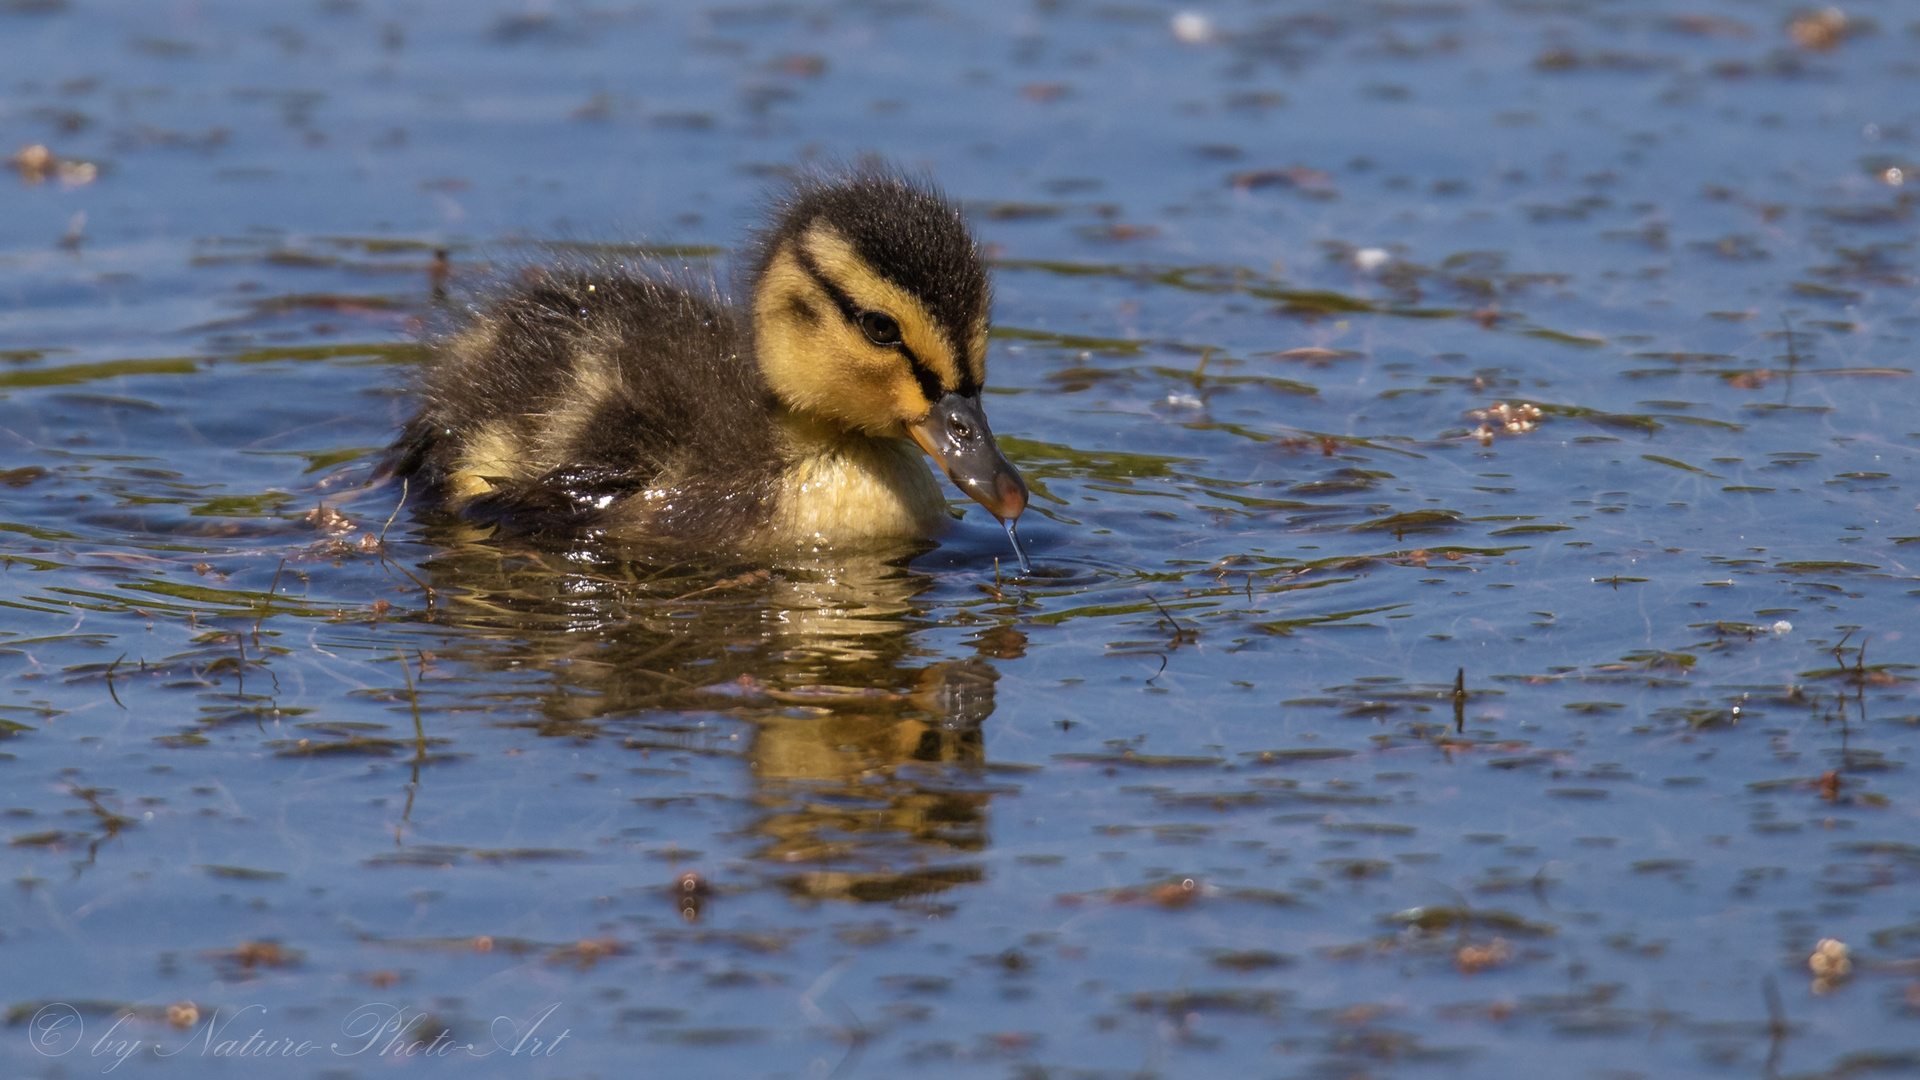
(852, 746)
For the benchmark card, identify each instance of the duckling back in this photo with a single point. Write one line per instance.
(599, 399)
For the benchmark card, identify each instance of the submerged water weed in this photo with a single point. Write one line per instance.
(1472, 551)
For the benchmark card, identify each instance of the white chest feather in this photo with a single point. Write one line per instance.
(859, 489)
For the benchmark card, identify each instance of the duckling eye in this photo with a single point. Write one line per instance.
(880, 329)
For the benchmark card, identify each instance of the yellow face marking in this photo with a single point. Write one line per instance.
(826, 366)
(839, 263)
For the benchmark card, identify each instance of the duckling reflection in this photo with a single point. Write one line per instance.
(858, 756)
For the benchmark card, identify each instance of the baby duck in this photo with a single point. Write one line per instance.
(638, 404)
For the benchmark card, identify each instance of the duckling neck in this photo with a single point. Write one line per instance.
(842, 486)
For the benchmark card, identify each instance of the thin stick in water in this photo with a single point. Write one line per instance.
(271, 589)
(396, 512)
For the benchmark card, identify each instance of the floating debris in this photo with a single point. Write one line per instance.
(690, 894)
(586, 953)
(1473, 959)
(1367, 260)
(1501, 418)
(1821, 31)
(36, 164)
(251, 955)
(1297, 177)
(1173, 894)
(1191, 28)
(328, 520)
(1314, 356)
(1831, 964)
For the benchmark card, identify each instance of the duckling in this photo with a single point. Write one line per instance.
(640, 404)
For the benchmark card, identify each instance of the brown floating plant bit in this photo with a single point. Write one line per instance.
(690, 892)
(1172, 894)
(1473, 959)
(1314, 356)
(1360, 1015)
(1299, 176)
(1831, 964)
(1830, 785)
(1501, 418)
(1709, 26)
(328, 520)
(586, 952)
(256, 954)
(1821, 30)
(36, 163)
(1175, 894)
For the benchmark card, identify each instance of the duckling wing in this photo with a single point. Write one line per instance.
(598, 400)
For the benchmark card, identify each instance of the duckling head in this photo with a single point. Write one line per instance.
(870, 313)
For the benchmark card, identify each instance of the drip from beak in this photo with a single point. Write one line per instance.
(956, 435)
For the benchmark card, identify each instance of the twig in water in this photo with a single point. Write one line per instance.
(857, 1034)
(419, 746)
(1180, 637)
(747, 578)
(380, 544)
(1777, 1026)
(413, 698)
(1793, 359)
(109, 678)
(272, 589)
(396, 512)
(1539, 883)
(426, 588)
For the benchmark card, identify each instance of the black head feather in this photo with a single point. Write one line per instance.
(904, 228)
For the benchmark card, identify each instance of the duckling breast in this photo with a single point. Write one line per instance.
(858, 489)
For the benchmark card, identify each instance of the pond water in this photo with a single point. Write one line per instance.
(1560, 348)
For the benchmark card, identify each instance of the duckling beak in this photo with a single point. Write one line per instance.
(956, 435)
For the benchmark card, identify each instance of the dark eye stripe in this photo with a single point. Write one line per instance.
(929, 382)
(848, 309)
(922, 374)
